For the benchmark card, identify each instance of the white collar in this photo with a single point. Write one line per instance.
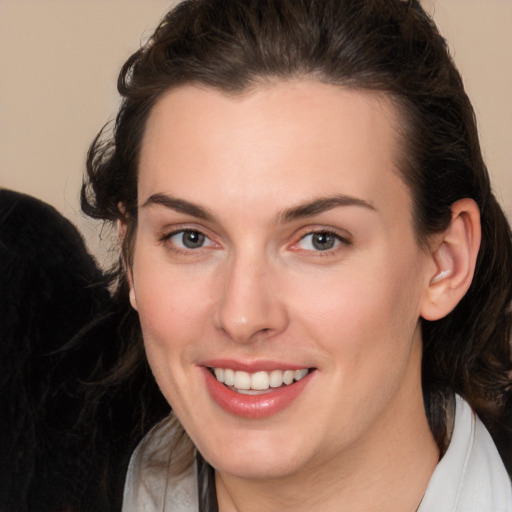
(471, 476)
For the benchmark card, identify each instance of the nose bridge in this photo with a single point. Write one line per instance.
(249, 304)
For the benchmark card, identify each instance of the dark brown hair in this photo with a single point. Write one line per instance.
(389, 46)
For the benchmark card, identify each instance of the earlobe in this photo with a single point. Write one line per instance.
(454, 260)
(133, 300)
(121, 229)
(131, 295)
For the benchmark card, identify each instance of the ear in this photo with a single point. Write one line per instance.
(454, 260)
(121, 233)
(133, 300)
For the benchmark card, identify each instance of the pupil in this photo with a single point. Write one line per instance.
(193, 239)
(323, 241)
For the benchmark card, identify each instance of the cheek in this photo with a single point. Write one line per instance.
(173, 319)
(369, 309)
(165, 307)
(173, 309)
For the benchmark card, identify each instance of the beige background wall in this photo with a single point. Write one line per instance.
(59, 61)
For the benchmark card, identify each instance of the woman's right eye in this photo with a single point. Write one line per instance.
(188, 239)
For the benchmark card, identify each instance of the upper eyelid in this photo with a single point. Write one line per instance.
(339, 233)
(169, 234)
(328, 231)
(340, 242)
(168, 231)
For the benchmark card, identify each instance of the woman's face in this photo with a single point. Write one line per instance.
(275, 249)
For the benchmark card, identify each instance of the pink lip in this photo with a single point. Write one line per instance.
(250, 366)
(253, 406)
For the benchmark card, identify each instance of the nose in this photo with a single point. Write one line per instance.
(250, 306)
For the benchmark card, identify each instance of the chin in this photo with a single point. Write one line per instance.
(262, 459)
(256, 469)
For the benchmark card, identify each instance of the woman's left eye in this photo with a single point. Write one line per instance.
(320, 241)
(188, 239)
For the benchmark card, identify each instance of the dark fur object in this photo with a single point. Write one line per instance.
(58, 337)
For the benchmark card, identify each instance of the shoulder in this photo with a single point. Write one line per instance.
(471, 476)
(149, 487)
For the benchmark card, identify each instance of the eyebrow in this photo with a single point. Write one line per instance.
(178, 205)
(320, 205)
(309, 209)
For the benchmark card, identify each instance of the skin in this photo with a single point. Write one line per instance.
(357, 437)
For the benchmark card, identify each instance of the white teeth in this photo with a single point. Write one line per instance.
(300, 374)
(242, 380)
(259, 381)
(288, 376)
(276, 378)
(229, 377)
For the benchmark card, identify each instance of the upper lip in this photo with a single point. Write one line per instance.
(253, 366)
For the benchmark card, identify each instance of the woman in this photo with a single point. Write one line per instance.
(310, 246)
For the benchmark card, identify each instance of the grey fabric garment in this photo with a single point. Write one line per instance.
(147, 487)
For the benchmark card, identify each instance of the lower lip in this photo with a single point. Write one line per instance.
(254, 406)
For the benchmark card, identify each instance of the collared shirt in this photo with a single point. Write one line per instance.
(469, 478)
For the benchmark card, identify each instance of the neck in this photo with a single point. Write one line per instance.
(388, 469)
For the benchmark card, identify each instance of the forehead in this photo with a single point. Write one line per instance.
(275, 144)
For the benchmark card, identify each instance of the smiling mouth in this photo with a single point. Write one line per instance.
(258, 382)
